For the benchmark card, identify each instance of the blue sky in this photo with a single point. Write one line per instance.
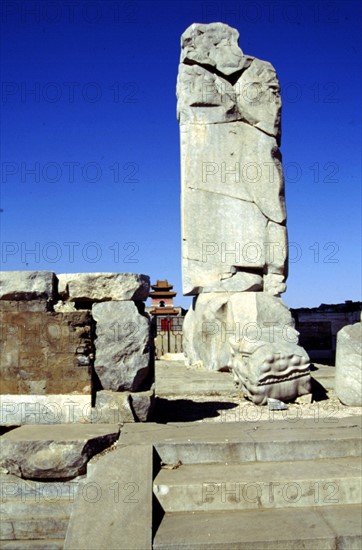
(90, 143)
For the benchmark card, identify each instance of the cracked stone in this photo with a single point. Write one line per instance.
(229, 111)
(54, 451)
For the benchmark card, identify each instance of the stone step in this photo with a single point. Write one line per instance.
(256, 485)
(35, 509)
(45, 544)
(28, 528)
(277, 440)
(113, 509)
(312, 528)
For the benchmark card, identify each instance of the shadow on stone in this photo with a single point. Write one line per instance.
(186, 410)
(157, 510)
(4, 429)
(318, 391)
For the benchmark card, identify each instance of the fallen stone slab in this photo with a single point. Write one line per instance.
(349, 365)
(113, 508)
(101, 287)
(27, 285)
(54, 451)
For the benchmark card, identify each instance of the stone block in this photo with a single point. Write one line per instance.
(27, 285)
(114, 407)
(349, 365)
(45, 409)
(143, 404)
(46, 352)
(122, 505)
(101, 287)
(252, 334)
(54, 452)
(122, 353)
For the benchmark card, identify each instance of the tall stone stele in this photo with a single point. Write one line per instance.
(234, 237)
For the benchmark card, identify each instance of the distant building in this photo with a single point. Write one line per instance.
(167, 320)
(162, 299)
(318, 327)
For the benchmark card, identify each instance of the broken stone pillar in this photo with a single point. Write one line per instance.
(233, 211)
(234, 237)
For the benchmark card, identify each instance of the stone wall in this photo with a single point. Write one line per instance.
(68, 339)
(318, 327)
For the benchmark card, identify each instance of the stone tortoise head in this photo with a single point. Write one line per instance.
(278, 370)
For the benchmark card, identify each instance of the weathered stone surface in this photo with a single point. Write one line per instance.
(215, 45)
(277, 438)
(113, 407)
(62, 307)
(252, 334)
(143, 404)
(45, 409)
(121, 516)
(54, 452)
(123, 407)
(7, 306)
(122, 345)
(46, 352)
(214, 72)
(349, 365)
(329, 527)
(233, 210)
(31, 511)
(101, 287)
(27, 285)
(258, 97)
(344, 472)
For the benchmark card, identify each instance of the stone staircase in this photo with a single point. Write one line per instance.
(282, 484)
(34, 514)
(273, 487)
